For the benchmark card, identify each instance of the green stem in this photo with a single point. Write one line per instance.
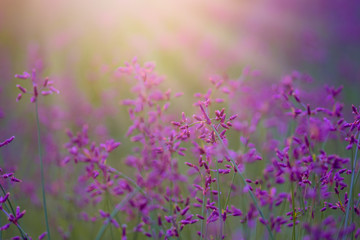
(243, 180)
(351, 186)
(227, 201)
(202, 214)
(13, 212)
(113, 214)
(136, 232)
(111, 203)
(219, 199)
(171, 204)
(108, 209)
(11, 207)
(139, 190)
(130, 180)
(293, 210)
(42, 172)
(228, 196)
(17, 225)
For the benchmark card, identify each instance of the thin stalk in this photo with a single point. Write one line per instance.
(351, 186)
(293, 209)
(139, 189)
(202, 214)
(171, 204)
(136, 232)
(4, 192)
(255, 230)
(228, 196)
(113, 214)
(18, 226)
(219, 199)
(13, 212)
(357, 177)
(339, 230)
(111, 203)
(244, 181)
(130, 180)
(229, 228)
(108, 209)
(42, 172)
(301, 200)
(154, 226)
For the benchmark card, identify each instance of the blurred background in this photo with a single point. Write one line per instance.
(188, 40)
(80, 44)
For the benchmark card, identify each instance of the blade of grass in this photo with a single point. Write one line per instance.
(229, 193)
(293, 210)
(130, 180)
(139, 189)
(202, 214)
(13, 212)
(17, 225)
(42, 172)
(351, 186)
(113, 214)
(219, 197)
(243, 180)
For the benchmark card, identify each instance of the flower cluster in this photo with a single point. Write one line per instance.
(252, 155)
(13, 216)
(38, 88)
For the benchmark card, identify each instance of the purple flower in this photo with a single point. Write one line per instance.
(7, 141)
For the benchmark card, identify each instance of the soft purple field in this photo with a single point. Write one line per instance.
(235, 120)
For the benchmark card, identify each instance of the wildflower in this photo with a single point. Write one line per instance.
(46, 88)
(7, 141)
